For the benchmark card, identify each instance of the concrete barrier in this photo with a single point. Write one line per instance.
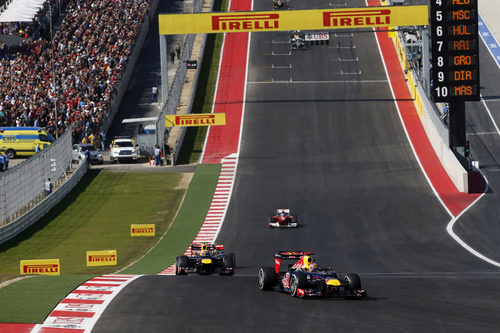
(436, 131)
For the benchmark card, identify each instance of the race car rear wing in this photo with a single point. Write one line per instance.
(208, 247)
(288, 255)
(291, 255)
(283, 210)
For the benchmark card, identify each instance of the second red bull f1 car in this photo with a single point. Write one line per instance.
(306, 279)
(206, 259)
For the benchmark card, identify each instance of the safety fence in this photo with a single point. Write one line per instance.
(177, 85)
(22, 186)
(43, 205)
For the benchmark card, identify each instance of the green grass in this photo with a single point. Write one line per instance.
(192, 146)
(90, 218)
(31, 300)
(187, 223)
(97, 216)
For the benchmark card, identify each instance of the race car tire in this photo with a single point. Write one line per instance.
(267, 278)
(297, 281)
(229, 261)
(180, 262)
(352, 281)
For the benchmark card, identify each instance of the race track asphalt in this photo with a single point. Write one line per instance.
(331, 147)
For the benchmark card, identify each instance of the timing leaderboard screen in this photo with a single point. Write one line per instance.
(455, 50)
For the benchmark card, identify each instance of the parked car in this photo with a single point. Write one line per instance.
(79, 151)
(123, 148)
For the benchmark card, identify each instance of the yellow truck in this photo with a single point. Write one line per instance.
(22, 141)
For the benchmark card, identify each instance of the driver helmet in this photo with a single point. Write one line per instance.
(313, 267)
(204, 251)
(307, 261)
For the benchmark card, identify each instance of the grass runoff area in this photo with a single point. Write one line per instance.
(97, 215)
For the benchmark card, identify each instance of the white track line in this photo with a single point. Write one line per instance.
(319, 82)
(452, 222)
(81, 309)
(215, 216)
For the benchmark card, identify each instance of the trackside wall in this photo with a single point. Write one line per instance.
(14, 228)
(436, 131)
(22, 185)
(22, 200)
(171, 106)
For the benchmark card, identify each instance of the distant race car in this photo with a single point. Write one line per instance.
(278, 4)
(297, 40)
(283, 219)
(206, 258)
(306, 279)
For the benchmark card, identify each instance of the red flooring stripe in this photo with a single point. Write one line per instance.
(81, 301)
(454, 200)
(75, 314)
(90, 292)
(60, 330)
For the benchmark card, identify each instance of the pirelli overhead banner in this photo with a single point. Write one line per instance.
(317, 19)
(195, 119)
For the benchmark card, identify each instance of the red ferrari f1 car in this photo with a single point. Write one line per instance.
(206, 259)
(283, 219)
(306, 279)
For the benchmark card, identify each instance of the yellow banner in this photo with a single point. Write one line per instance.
(142, 230)
(40, 266)
(195, 119)
(102, 258)
(316, 19)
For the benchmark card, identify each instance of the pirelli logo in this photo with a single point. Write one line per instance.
(290, 20)
(248, 22)
(202, 119)
(142, 230)
(358, 18)
(40, 267)
(102, 258)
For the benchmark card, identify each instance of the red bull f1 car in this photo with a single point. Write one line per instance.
(206, 259)
(305, 279)
(283, 219)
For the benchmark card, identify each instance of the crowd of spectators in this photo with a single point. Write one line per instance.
(90, 49)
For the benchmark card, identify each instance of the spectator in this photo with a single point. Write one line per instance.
(1, 162)
(157, 153)
(140, 129)
(48, 187)
(89, 50)
(102, 137)
(446, 110)
(178, 51)
(167, 152)
(154, 94)
(172, 57)
(5, 162)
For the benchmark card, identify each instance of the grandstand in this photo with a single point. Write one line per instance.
(75, 81)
